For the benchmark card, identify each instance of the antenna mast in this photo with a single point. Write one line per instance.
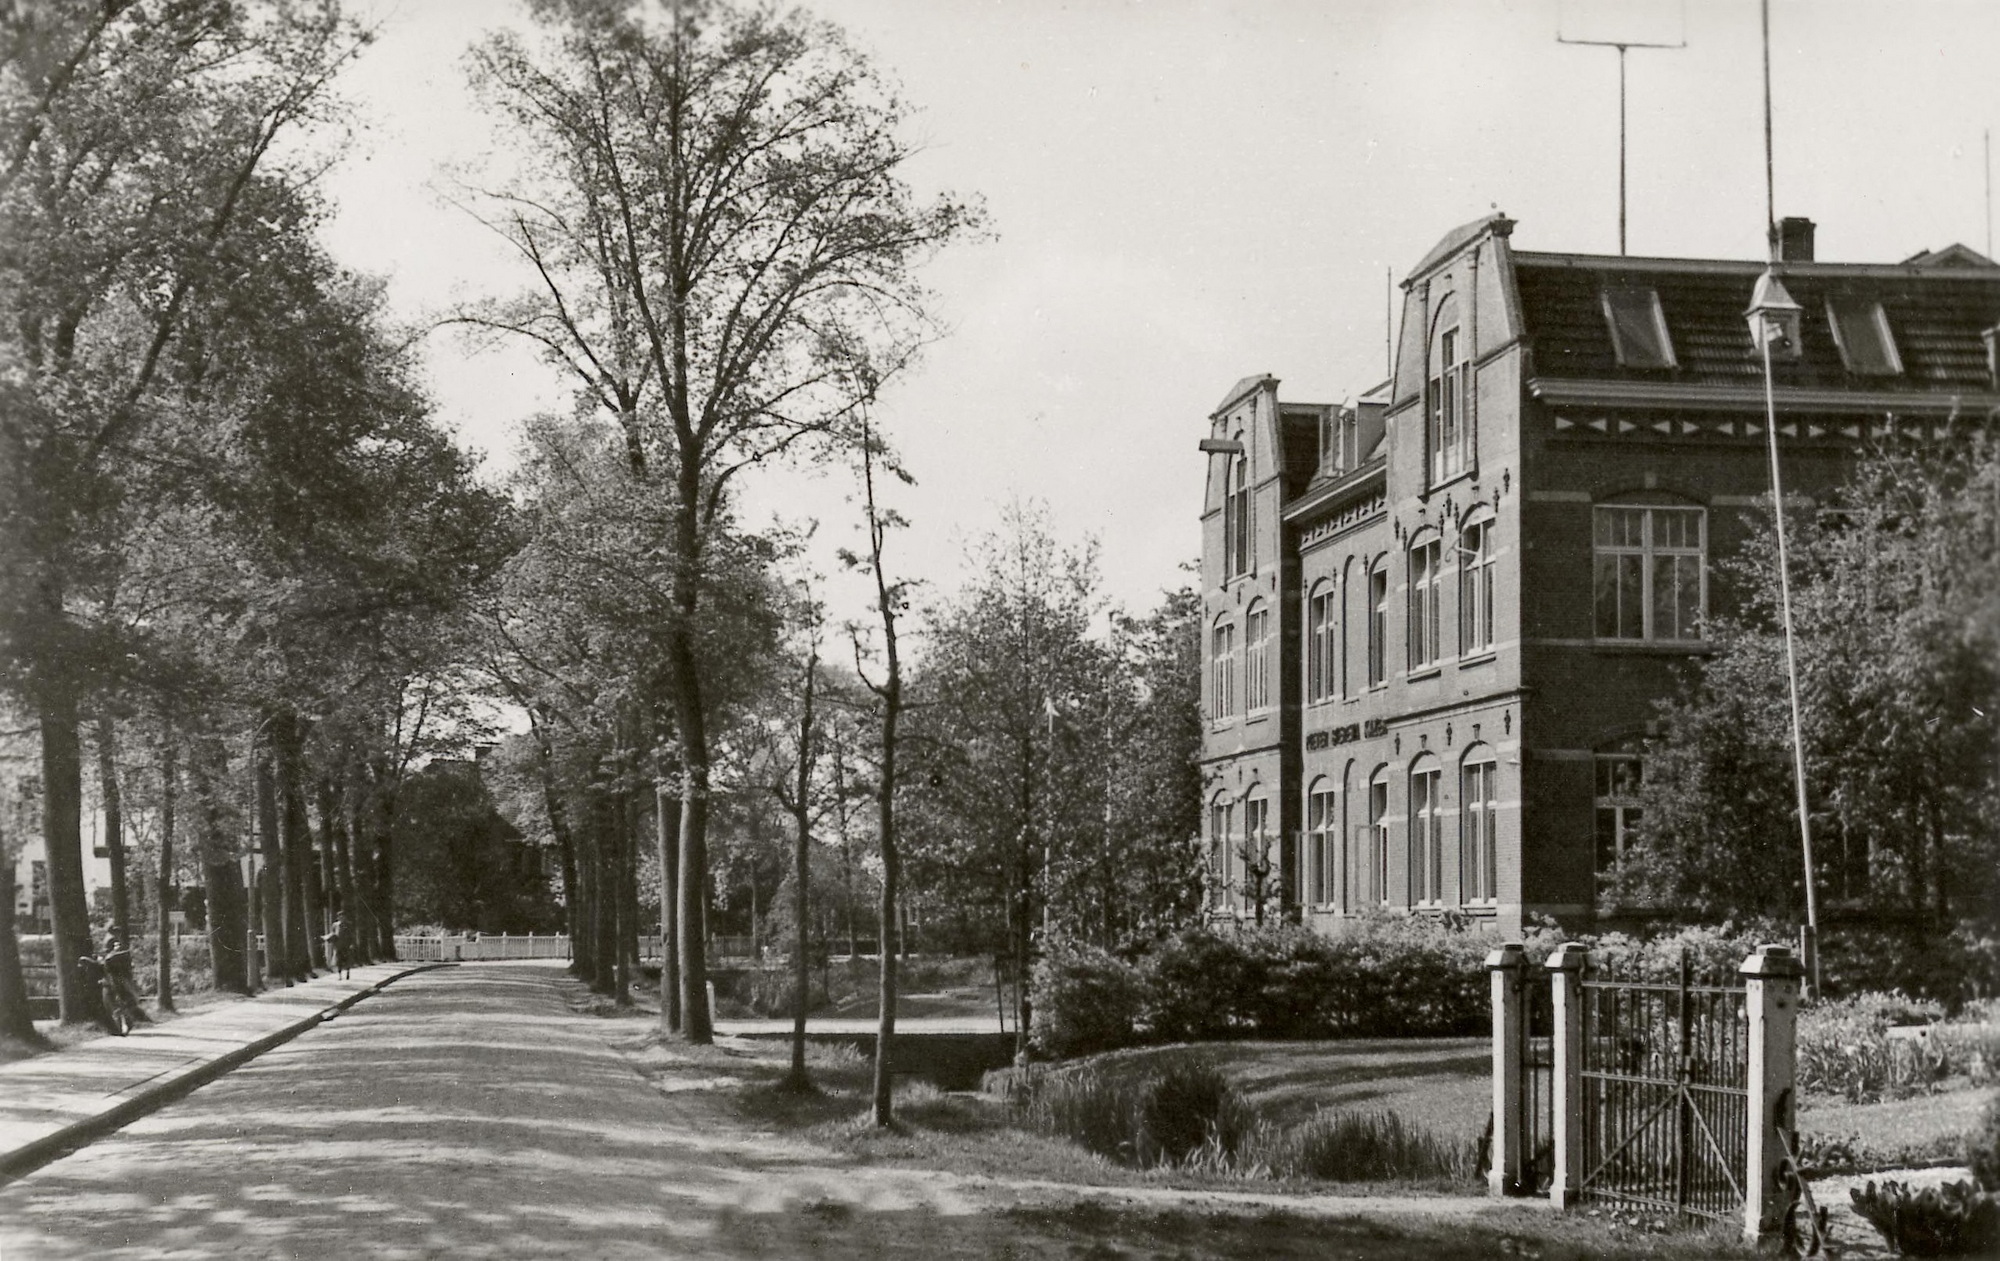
(1622, 45)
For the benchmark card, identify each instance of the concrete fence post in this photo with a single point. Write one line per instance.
(1771, 980)
(1566, 968)
(1509, 968)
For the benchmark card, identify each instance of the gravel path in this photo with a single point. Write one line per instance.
(472, 1113)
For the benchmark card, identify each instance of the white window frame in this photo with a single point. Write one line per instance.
(1222, 676)
(1478, 822)
(1476, 567)
(1426, 834)
(1426, 593)
(1649, 552)
(1257, 658)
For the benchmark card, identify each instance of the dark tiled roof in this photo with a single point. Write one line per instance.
(1936, 315)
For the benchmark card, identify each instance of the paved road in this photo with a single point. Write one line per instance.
(471, 1113)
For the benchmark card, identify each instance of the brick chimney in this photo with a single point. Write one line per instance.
(1792, 240)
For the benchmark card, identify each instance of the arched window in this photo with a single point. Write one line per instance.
(1347, 585)
(1256, 857)
(1257, 657)
(1475, 586)
(1221, 850)
(1375, 838)
(1322, 628)
(1347, 864)
(1447, 433)
(1236, 550)
(1478, 824)
(1426, 832)
(1222, 665)
(1378, 623)
(1649, 570)
(1316, 879)
(1620, 769)
(1426, 592)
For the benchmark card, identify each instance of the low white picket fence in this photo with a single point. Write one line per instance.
(479, 946)
(472, 947)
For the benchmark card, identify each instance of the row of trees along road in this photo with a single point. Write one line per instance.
(243, 560)
(234, 548)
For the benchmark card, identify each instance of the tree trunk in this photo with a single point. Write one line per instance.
(303, 955)
(170, 791)
(697, 1025)
(801, 883)
(667, 823)
(114, 827)
(62, 848)
(885, 1030)
(270, 883)
(16, 1021)
(208, 767)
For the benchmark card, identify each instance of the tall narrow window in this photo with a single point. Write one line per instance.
(1446, 434)
(1425, 589)
(1236, 548)
(1478, 817)
(1257, 657)
(1322, 810)
(1618, 775)
(1378, 624)
(1321, 627)
(1221, 850)
(1426, 836)
(1344, 837)
(1650, 565)
(1222, 688)
(1259, 873)
(1475, 588)
(1377, 840)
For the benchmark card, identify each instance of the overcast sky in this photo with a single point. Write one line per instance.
(1187, 192)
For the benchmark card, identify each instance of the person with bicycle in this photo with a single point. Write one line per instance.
(118, 1004)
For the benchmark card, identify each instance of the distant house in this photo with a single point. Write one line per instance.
(1439, 614)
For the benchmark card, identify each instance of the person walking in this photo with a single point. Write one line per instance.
(337, 951)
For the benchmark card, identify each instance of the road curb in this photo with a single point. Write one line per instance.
(32, 1155)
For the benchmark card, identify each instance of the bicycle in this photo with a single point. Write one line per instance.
(115, 1009)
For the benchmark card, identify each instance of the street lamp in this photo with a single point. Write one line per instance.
(1774, 329)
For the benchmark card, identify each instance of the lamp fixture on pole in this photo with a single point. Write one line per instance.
(1774, 328)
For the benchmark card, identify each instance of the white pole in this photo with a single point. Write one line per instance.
(1792, 676)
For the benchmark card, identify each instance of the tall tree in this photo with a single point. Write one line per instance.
(1896, 596)
(719, 233)
(132, 138)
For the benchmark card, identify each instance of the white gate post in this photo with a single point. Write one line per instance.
(1566, 965)
(1771, 981)
(1509, 967)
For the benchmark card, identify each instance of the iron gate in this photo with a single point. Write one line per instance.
(1665, 1084)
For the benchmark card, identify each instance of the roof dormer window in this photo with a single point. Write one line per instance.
(1861, 330)
(1638, 329)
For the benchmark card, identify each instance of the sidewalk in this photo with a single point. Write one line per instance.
(50, 1104)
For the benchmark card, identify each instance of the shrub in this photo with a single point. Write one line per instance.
(1193, 985)
(1086, 1000)
(1953, 1220)
(1187, 1106)
(1101, 1111)
(1370, 1146)
(1982, 1147)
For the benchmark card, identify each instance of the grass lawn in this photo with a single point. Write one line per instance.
(1444, 1085)
(1894, 1134)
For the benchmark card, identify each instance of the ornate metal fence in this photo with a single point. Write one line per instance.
(1665, 1093)
(1537, 1066)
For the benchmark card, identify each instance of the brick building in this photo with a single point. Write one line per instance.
(1439, 614)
